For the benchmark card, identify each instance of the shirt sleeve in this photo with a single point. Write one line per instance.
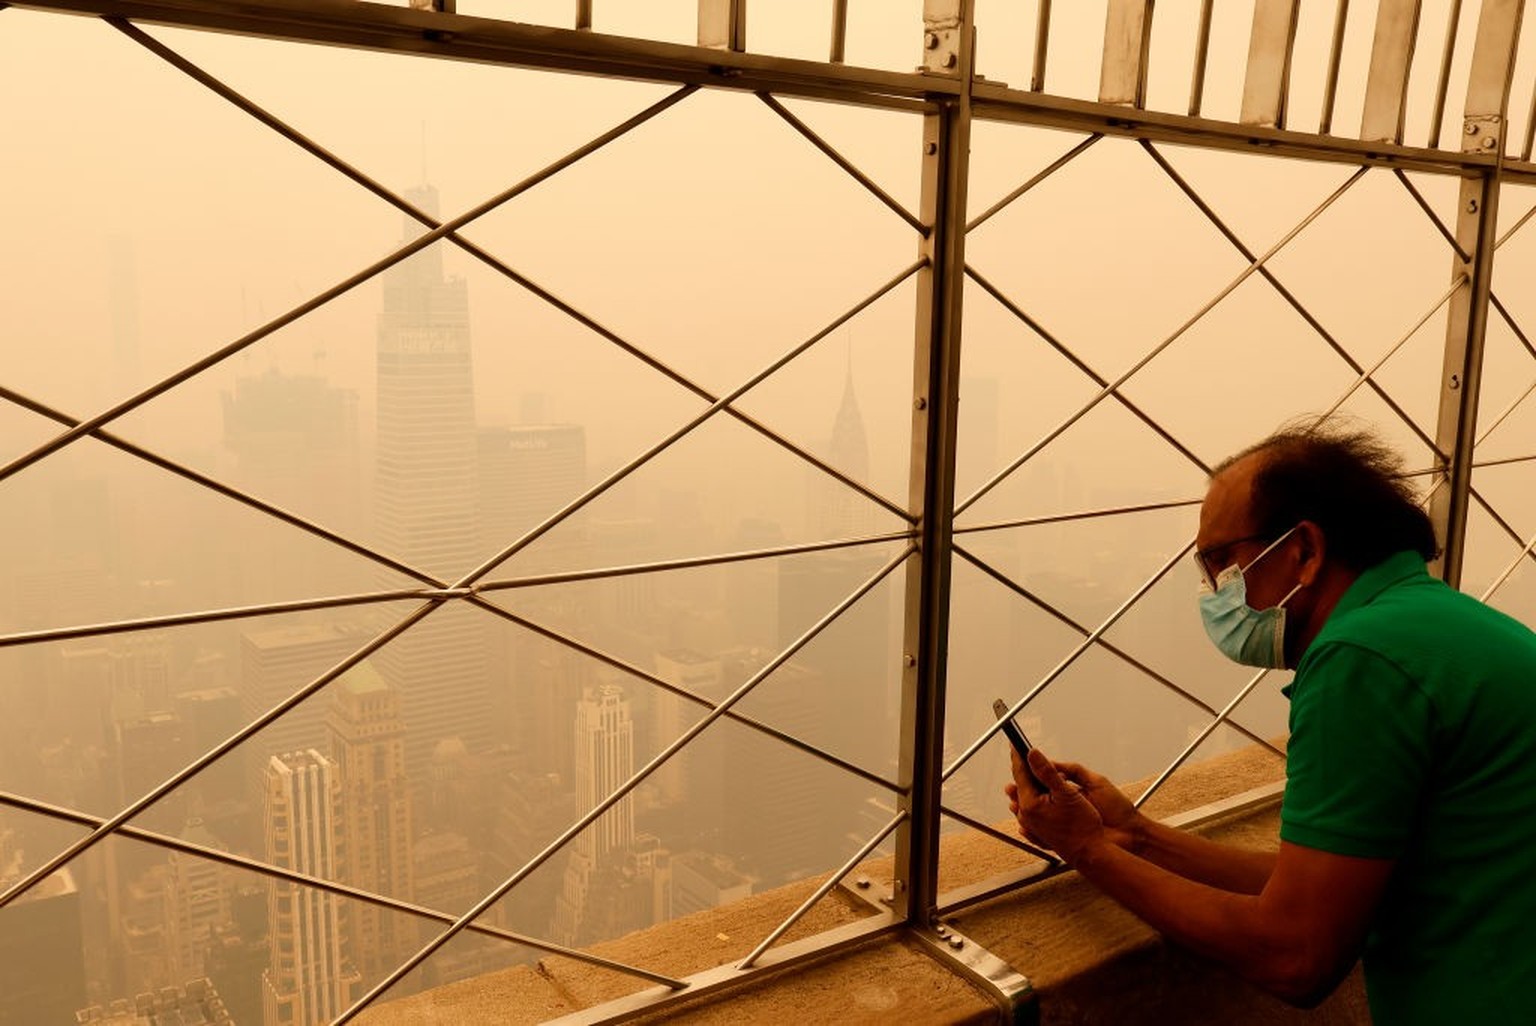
(1359, 757)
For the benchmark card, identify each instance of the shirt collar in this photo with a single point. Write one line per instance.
(1396, 568)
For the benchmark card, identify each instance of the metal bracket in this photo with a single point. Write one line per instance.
(1481, 133)
(1006, 986)
(941, 45)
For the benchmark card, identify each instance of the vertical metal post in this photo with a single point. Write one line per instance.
(839, 47)
(949, 48)
(1493, 59)
(1268, 79)
(723, 24)
(1386, 87)
(1127, 37)
(583, 14)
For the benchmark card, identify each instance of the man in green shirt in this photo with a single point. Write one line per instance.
(1408, 828)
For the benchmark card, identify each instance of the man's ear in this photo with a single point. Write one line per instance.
(1311, 552)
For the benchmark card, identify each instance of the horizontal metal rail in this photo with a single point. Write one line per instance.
(1073, 517)
(176, 844)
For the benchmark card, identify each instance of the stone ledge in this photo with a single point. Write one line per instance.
(1089, 960)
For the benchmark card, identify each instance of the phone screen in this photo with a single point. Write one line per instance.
(1016, 738)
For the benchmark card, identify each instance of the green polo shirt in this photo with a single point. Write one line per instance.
(1413, 737)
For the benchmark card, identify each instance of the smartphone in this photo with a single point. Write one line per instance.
(1017, 739)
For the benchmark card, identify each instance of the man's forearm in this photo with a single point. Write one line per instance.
(1193, 857)
(1221, 923)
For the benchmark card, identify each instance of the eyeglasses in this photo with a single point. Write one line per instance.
(1203, 557)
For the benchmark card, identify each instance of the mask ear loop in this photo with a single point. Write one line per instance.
(1270, 548)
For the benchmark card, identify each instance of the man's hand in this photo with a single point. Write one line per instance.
(1123, 822)
(1063, 819)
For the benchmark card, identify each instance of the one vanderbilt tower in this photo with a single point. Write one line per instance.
(427, 492)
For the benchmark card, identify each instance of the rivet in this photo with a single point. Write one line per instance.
(1489, 142)
(862, 883)
(941, 930)
(950, 60)
(931, 40)
(931, 148)
(1471, 128)
(957, 943)
(1471, 206)
(921, 403)
(899, 886)
(910, 660)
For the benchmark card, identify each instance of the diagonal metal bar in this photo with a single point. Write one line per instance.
(1498, 582)
(302, 141)
(618, 793)
(743, 719)
(1429, 212)
(1046, 607)
(1087, 371)
(195, 767)
(1498, 518)
(243, 862)
(1280, 288)
(832, 153)
(1060, 518)
(1152, 354)
(319, 300)
(1068, 660)
(994, 832)
(1511, 408)
(825, 889)
(228, 491)
(1368, 374)
(1519, 223)
(151, 623)
(1034, 180)
(713, 408)
(1514, 326)
(1210, 728)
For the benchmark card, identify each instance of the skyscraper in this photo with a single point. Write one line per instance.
(310, 977)
(605, 758)
(427, 491)
(368, 746)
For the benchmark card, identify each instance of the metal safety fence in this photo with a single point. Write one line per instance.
(938, 540)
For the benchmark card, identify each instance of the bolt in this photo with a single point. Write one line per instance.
(941, 930)
(921, 403)
(899, 886)
(931, 40)
(1471, 206)
(957, 943)
(950, 60)
(1471, 127)
(1489, 142)
(886, 899)
(862, 883)
(910, 660)
(931, 148)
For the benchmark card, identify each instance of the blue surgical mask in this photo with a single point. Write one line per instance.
(1252, 637)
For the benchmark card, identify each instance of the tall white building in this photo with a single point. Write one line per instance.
(427, 492)
(310, 978)
(605, 758)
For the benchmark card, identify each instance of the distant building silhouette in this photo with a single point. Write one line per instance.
(427, 492)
